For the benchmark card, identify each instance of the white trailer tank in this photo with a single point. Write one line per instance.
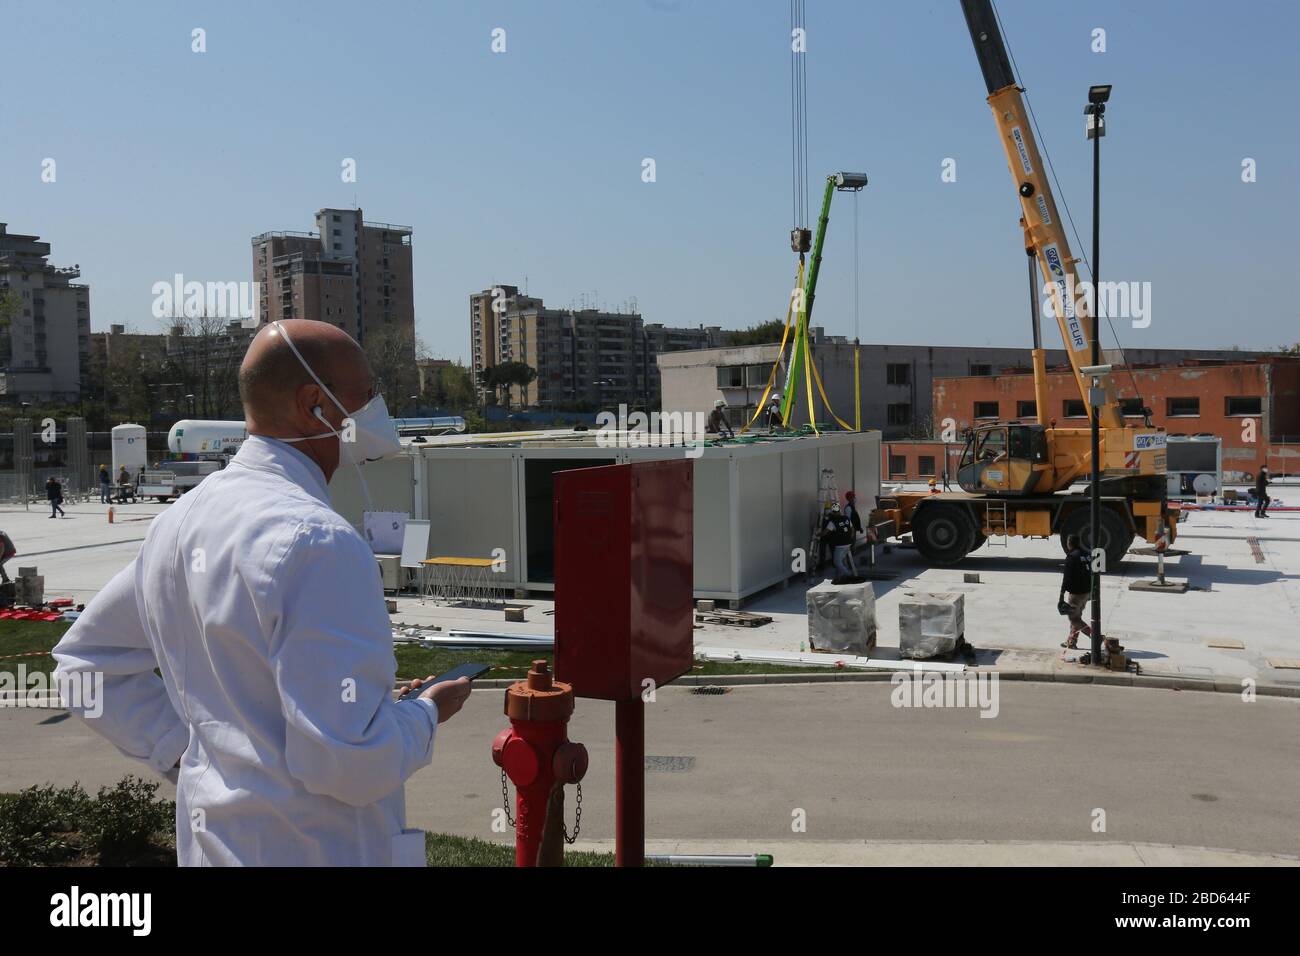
(197, 437)
(130, 449)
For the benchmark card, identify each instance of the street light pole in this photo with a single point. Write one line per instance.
(1096, 125)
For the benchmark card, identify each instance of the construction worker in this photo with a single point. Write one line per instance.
(1262, 500)
(717, 423)
(773, 414)
(1076, 589)
(105, 485)
(7, 551)
(837, 531)
(934, 487)
(851, 510)
(125, 490)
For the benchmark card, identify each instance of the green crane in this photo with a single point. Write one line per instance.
(800, 350)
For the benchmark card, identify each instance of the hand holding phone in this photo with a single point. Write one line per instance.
(447, 691)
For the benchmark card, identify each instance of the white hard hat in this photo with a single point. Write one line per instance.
(720, 403)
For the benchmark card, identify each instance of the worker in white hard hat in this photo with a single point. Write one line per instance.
(774, 418)
(717, 423)
(837, 531)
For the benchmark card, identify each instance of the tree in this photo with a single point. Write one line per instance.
(10, 303)
(765, 333)
(203, 361)
(392, 351)
(921, 428)
(507, 375)
(456, 389)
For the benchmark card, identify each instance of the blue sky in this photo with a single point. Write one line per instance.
(528, 162)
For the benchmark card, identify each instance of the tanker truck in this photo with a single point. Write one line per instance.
(198, 448)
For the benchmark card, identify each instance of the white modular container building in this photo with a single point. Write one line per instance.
(491, 495)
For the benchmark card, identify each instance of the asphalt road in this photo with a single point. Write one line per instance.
(1186, 768)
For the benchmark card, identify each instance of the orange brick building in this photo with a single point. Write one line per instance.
(1252, 406)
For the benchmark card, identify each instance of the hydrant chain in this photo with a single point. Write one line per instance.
(577, 819)
(505, 799)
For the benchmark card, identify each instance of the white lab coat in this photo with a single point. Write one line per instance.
(262, 609)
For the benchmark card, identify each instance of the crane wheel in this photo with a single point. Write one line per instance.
(944, 534)
(1116, 536)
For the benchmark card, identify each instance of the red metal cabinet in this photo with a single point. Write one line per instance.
(623, 577)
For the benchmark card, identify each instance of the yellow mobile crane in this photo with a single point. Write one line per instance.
(1014, 475)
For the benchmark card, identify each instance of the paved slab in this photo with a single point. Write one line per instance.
(958, 853)
(78, 554)
(1170, 768)
(1011, 615)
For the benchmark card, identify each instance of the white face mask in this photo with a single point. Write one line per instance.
(368, 433)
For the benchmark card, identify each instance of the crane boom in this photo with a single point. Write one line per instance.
(841, 182)
(1044, 232)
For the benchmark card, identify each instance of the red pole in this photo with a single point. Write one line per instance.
(629, 774)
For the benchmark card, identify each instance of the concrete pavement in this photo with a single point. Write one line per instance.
(958, 853)
(1245, 573)
(869, 782)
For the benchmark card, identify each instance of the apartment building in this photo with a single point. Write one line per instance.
(45, 348)
(349, 272)
(582, 356)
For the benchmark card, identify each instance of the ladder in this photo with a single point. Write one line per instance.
(995, 516)
(827, 492)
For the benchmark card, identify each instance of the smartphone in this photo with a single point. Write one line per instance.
(461, 670)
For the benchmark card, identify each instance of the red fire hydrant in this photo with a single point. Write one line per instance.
(537, 756)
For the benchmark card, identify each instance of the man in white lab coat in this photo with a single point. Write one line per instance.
(260, 606)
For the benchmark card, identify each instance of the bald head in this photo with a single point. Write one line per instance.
(271, 377)
(282, 400)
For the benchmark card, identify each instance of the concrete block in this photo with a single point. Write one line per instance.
(704, 605)
(930, 625)
(970, 577)
(842, 617)
(1169, 587)
(26, 572)
(30, 590)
